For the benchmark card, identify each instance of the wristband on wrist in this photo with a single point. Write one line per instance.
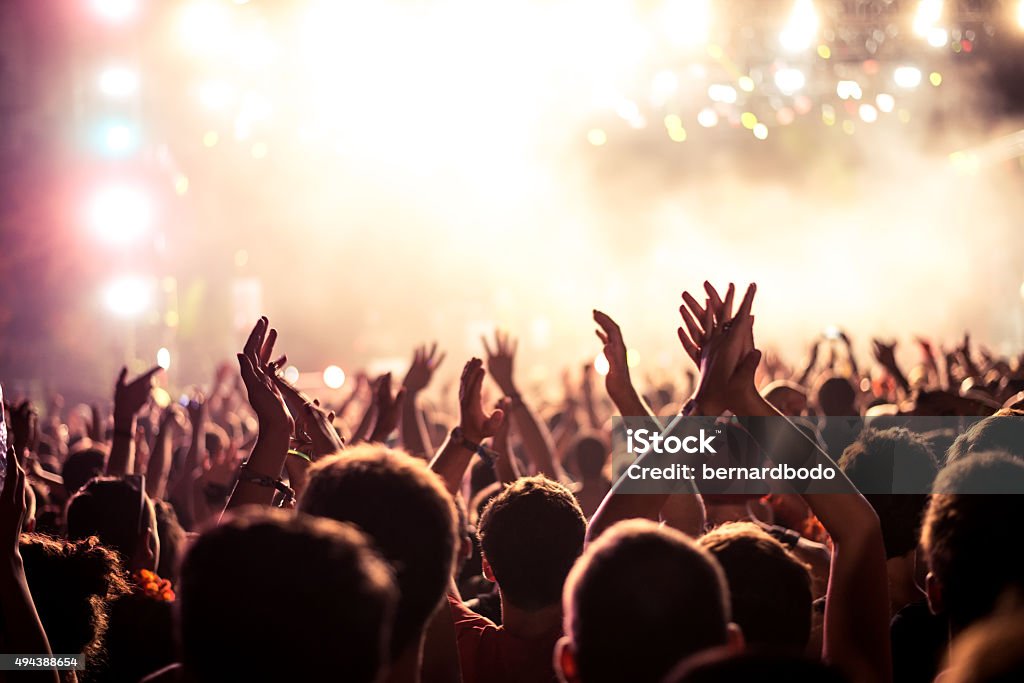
(287, 493)
(459, 438)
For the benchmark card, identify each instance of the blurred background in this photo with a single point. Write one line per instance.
(372, 175)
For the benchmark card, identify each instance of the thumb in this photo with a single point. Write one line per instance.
(748, 366)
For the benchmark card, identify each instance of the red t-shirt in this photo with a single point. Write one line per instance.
(490, 654)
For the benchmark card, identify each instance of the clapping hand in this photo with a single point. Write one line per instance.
(424, 363)
(313, 424)
(500, 361)
(387, 407)
(257, 375)
(617, 381)
(476, 425)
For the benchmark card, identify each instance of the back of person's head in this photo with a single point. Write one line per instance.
(531, 534)
(972, 558)
(723, 664)
(990, 651)
(836, 396)
(1003, 431)
(640, 599)
(172, 538)
(411, 518)
(81, 466)
(71, 584)
(589, 454)
(788, 397)
(120, 515)
(899, 461)
(779, 617)
(269, 595)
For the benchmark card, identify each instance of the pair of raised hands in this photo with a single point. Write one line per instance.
(719, 341)
(278, 405)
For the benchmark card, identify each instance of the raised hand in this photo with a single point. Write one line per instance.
(129, 397)
(254, 362)
(313, 425)
(698, 319)
(13, 504)
(388, 408)
(425, 362)
(500, 361)
(476, 425)
(617, 381)
(25, 428)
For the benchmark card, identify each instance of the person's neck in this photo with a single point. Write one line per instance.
(406, 669)
(530, 623)
(903, 590)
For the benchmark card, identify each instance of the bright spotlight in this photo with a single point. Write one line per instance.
(215, 95)
(790, 80)
(601, 364)
(291, 374)
(760, 131)
(120, 214)
(725, 94)
(937, 37)
(801, 29)
(163, 358)
(115, 10)
(885, 102)
(868, 114)
(128, 296)
(204, 27)
(687, 22)
(929, 12)
(907, 76)
(707, 118)
(1020, 13)
(849, 90)
(119, 81)
(119, 138)
(334, 377)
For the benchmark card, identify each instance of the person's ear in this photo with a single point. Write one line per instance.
(933, 589)
(734, 640)
(565, 661)
(488, 572)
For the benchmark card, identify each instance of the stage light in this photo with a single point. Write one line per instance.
(929, 12)
(707, 117)
(120, 214)
(215, 95)
(118, 138)
(802, 27)
(722, 93)
(210, 138)
(907, 77)
(760, 131)
(746, 83)
(868, 114)
(116, 10)
(1020, 13)
(118, 81)
(291, 374)
(204, 27)
(601, 366)
(334, 377)
(790, 80)
(885, 102)
(597, 137)
(163, 358)
(935, 78)
(937, 37)
(848, 90)
(632, 358)
(127, 296)
(748, 119)
(687, 22)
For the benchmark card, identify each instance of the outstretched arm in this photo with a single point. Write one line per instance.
(415, 436)
(475, 425)
(536, 439)
(128, 401)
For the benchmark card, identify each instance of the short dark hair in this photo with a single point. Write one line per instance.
(531, 534)
(964, 534)
(1003, 431)
(640, 599)
(108, 508)
(405, 509)
(752, 560)
(722, 664)
(589, 453)
(315, 589)
(81, 466)
(899, 461)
